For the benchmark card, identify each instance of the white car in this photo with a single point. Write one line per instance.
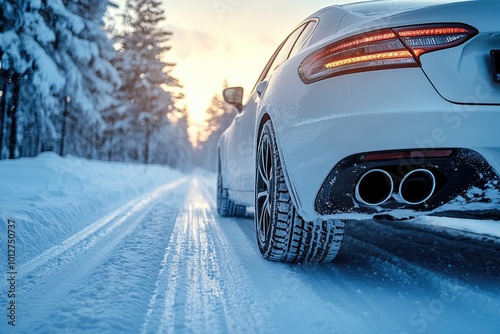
(367, 108)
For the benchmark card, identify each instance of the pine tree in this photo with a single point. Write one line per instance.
(173, 147)
(84, 53)
(100, 79)
(29, 77)
(219, 116)
(56, 76)
(65, 88)
(148, 85)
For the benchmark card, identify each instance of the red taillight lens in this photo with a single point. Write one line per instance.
(423, 39)
(388, 48)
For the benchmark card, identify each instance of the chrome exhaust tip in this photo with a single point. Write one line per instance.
(374, 187)
(417, 186)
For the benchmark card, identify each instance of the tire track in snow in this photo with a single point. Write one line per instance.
(92, 234)
(286, 300)
(76, 283)
(202, 285)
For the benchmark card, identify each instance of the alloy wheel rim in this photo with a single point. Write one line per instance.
(265, 189)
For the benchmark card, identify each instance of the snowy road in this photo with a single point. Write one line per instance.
(166, 263)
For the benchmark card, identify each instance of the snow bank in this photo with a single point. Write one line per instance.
(51, 197)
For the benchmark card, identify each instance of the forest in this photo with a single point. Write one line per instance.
(72, 81)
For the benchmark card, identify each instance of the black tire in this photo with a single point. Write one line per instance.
(282, 235)
(225, 206)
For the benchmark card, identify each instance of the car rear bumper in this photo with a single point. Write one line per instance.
(415, 181)
(401, 112)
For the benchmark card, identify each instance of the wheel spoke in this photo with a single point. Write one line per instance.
(265, 206)
(263, 193)
(263, 177)
(262, 223)
(264, 189)
(263, 218)
(268, 161)
(263, 163)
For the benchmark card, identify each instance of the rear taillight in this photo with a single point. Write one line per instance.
(387, 48)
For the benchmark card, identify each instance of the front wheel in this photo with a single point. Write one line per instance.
(282, 235)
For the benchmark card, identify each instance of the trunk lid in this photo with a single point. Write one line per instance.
(462, 74)
(466, 73)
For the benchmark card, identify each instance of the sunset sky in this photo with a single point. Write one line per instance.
(214, 40)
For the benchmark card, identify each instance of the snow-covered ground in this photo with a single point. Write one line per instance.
(122, 248)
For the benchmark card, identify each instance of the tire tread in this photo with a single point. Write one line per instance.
(291, 238)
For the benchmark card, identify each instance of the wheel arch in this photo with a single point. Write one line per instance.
(295, 199)
(265, 117)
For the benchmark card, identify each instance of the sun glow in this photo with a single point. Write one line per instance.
(210, 46)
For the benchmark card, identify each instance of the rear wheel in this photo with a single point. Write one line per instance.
(282, 235)
(225, 206)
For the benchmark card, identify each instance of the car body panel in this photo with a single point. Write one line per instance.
(319, 124)
(403, 111)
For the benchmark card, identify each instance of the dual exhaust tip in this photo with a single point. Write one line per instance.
(376, 187)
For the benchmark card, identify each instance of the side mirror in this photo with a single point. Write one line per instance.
(234, 96)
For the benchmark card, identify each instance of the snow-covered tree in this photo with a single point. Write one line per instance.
(148, 86)
(219, 116)
(30, 77)
(56, 74)
(176, 141)
(84, 52)
(65, 88)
